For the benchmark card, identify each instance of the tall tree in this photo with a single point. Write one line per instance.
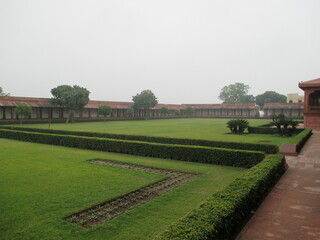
(73, 98)
(236, 93)
(270, 97)
(144, 100)
(23, 111)
(104, 110)
(164, 110)
(189, 111)
(3, 93)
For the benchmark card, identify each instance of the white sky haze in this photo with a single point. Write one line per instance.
(185, 51)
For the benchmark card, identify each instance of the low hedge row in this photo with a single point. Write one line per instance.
(301, 138)
(220, 215)
(262, 130)
(267, 130)
(267, 148)
(230, 157)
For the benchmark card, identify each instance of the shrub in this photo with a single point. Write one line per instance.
(301, 138)
(239, 158)
(285, 126)
(218, 217)
(267, 148)
(237, 126)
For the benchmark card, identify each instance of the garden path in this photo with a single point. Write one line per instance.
(292, 209)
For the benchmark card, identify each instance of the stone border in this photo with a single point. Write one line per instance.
(112, 208)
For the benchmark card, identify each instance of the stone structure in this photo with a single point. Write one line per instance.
(290, 110)
(311, 103)
(43, 109)
(294, 98)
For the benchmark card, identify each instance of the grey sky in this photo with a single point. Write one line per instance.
(184, 51)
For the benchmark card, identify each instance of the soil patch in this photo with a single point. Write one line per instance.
(114, 207)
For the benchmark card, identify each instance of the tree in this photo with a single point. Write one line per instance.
(130, 111)
(23, 111)
(72, 98)
(236, 93)
(2, 93)
(145, 100)
(164, 110)
(190, 110)
(270, 97)
(104, 110)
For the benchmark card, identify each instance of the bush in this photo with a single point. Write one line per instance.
(238, 158)
(267, 148)
(301, 138)
(218, 217)
(237, 126)
(285, 126)
(267, 130)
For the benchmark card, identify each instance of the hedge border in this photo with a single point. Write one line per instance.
(220, 156)
(267, 148)
(219, 216)
(268, 130)
(301, 138)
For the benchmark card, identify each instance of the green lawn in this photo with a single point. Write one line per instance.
(196, 128)
(40, 184)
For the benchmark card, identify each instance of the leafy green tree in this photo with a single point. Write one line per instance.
(23, 111)
(236, 93)
(177, 112)
(2, 93)
(145, 100)
(190, 111)
(131, 111)
(73, 98)
(164, 110)
(104, 110)
(270, 97)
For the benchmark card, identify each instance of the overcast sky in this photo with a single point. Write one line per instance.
(185, 51)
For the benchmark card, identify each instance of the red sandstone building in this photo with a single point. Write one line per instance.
(42, 109)
(311, 103)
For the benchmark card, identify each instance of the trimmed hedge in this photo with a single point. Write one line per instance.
(268, 130)
(230, 157)
(220, 215)
(267, 148)
(301, 138)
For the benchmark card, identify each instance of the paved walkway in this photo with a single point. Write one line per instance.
(292, 209)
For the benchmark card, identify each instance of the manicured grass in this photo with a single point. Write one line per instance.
(194, 128)
(40, 184)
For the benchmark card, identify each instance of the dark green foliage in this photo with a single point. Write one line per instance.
(236, 93)
(218, 217)
(267, 148)
(164, 110)
(302, 138)
(268, 130)
(72, 98)
(23, 111)
(237, 126)
(270, 97)
(144, 100)
(104, 110)
(189, 111)
(239, 158)
(285, 126)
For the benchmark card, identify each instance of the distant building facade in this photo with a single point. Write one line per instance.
(290, 110)
(295, 98)
(42, 109)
